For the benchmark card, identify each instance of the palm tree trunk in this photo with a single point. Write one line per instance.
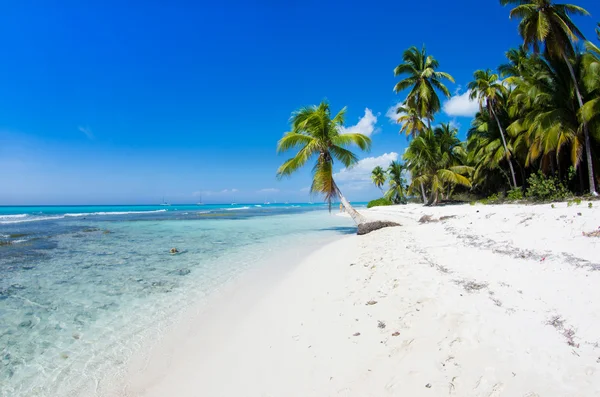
(423, 194)
(356, 217)
(586, 132)
(512, 170)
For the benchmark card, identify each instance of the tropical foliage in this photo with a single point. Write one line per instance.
(378, 177)
(317, 135)
(537, 132)
(396, 192)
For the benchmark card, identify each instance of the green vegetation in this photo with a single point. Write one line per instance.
(538, 125)
(378, 177)
(316, 134)
(546, 188)
(397, 183)
(515, 195)
(379, 202)
(536, 135)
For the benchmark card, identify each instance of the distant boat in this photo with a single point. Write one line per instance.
(310, 202)
(200, 203)
(266, 203)
(164, 202)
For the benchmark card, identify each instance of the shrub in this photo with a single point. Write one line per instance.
(543, 188)
(577, 201)
(589, 205)
(515, 194)
(494, 198)
(379, 202)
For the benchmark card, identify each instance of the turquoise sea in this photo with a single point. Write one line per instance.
(82, 286)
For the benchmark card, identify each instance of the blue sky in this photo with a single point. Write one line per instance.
(127, 102)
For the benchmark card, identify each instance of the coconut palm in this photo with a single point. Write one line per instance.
(410, 120)
(316, 134)
(396, 191)
(548, 124)
(518, 60)
(548, 25)
(486, 154)
(423, 81)
(590, 112)
(431, 154)
(378, 177)
(487, 89)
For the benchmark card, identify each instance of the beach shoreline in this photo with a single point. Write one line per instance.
(496, 300)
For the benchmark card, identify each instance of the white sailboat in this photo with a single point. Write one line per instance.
(164, 202)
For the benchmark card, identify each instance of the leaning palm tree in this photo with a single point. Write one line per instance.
(432, 157)
(423, 81)
(378, 177)
(318, 135)
(396, 191)
(488, 90)
(549, 25)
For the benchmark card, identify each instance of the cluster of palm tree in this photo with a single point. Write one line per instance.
(396, 191)
(435, 157)
(540, 111)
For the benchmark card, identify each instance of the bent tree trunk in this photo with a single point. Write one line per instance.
(423, 194)
(512, 170)
(356, 217)
(586, 132)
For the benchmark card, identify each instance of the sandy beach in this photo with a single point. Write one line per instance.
(479, 301)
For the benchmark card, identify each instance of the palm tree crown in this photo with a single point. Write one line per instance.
(378, 176)
(422, 76)
(546, 23)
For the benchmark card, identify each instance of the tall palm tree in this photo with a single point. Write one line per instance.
(396, 191)
(547, 24)
(423, 81)
(488, 90)
(428, 154)
(318, 135)
(378, 177)
(486, 154)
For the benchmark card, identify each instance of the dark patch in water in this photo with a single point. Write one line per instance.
(181, 272)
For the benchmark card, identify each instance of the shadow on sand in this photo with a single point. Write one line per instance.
(340, 229)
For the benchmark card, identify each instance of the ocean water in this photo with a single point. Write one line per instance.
(81, 288)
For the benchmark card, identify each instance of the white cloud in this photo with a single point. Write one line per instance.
(461, 105)
(454, 123)
(365, 125)
(305, 189)
(229, 190)
(268, 190)
(87, 131)
(359, 176)
(391, 113)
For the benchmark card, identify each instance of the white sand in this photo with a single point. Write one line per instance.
(472, 298)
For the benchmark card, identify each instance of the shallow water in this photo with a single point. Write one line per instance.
(81, 287)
